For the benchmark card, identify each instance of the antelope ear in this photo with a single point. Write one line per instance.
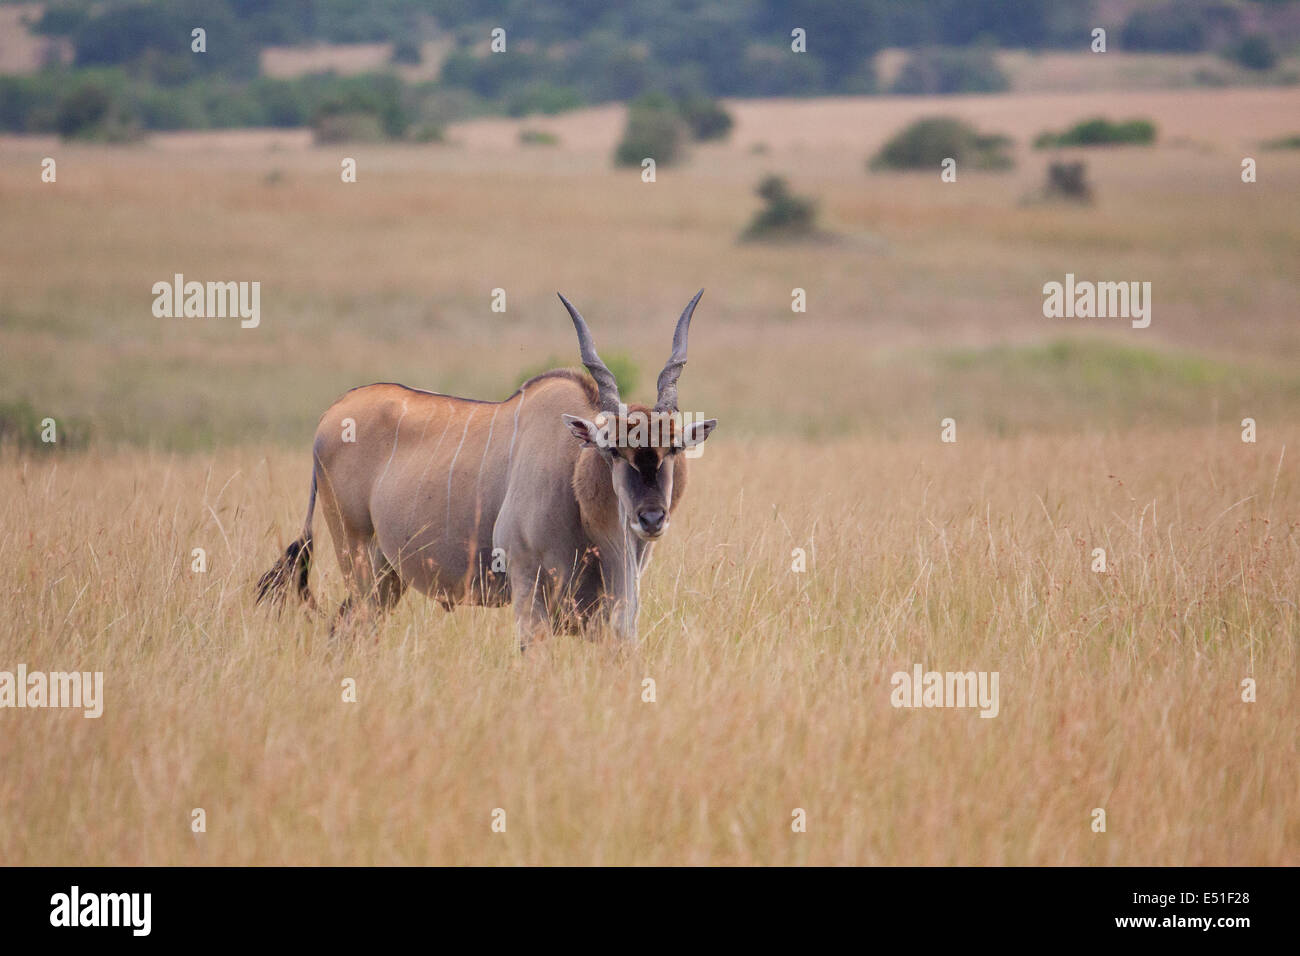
(696, 432)
(586, 432)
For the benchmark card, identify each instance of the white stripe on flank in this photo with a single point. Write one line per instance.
(518, 408)
(415, 499)
(491, 425)
(451, 471)
(397, 431)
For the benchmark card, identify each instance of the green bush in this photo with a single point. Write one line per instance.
(281, 102)
(1068, 181)
(95, 110)
(935, 70)
(537, 137)
(1254, 51)
(343, 104)
(706, 117)
(626, 372)
(655, 131)
(20, 428)
(1284, 142)
(428, 133)
(1100, 131)
(26, 106)
(928, 142)
(83, 109)
(170, 109)
(785, 215)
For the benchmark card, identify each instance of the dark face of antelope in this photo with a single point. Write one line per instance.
(639, 444)
(641, 447)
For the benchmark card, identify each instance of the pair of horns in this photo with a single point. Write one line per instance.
(605, 383)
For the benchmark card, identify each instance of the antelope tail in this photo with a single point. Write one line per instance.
(294, 565)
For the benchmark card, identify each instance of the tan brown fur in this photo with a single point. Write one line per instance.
(549, 500)
(384, 496)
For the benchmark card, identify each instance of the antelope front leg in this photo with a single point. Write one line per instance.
(532, 613)
(621, 569)
(622, 618)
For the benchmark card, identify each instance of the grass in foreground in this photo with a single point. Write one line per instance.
(1118, 690)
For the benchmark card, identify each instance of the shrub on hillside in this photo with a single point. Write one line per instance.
(361, 108)
(21, 428)
(1100, 131)
(95, 110)
(428, 133)
(1068, 181)
(626, 372)
(83, 109)
(538, 137)
(785, 215)
(1284, 142)
(654, 130)
(706, 117)
(1254, 51)
(928, 142)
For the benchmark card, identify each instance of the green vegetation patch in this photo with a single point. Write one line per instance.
(1071, 382)
(659, 126)
(1100, 131)
(626, 372)
(1284, 142)
(23, 428)
(784, 215)
(928, 142)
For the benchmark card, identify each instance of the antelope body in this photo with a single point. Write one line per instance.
(550, 500)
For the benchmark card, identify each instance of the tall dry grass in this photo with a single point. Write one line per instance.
(1118, 690)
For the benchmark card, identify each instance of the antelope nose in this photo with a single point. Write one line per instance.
(652, 521)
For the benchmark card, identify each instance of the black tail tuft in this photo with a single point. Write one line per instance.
(294, 566)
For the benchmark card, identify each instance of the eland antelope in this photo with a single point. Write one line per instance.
(549, 500)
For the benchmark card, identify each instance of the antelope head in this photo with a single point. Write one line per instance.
(640, 444)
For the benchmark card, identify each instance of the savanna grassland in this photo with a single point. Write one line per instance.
(1119, 690)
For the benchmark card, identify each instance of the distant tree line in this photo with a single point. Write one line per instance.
(133, 57)
(105, 103)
